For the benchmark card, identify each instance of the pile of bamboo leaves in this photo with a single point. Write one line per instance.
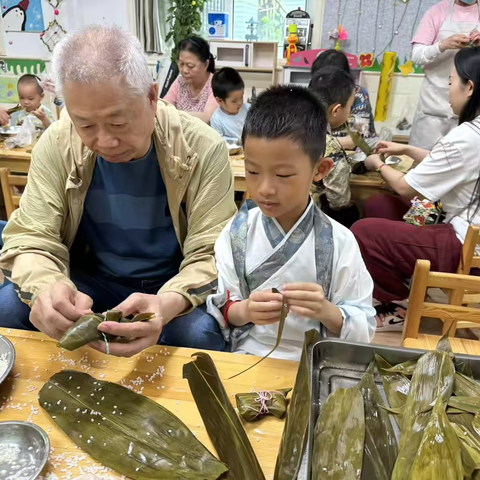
(437, 410)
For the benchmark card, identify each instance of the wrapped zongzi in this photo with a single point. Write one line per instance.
(255, 405)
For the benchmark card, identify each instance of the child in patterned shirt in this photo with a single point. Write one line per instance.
(31, 96)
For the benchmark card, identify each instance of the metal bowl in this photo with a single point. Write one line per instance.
(7, 352)
(393, 160)
(9, 131)
(24, 450)
(357, 157)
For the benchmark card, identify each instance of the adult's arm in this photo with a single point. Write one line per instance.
(208, 111)
(172, 94)
(34, 257)
(4, 117)
(209, 206)
(424, 54)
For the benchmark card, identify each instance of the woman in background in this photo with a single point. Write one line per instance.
(445, 28)
(192, 90)
(361, 108)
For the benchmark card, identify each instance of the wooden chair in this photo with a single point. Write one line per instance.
(450, 314)
(8, 181)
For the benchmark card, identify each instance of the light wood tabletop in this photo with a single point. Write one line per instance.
(362, 186)
(15, 159)
(38, 358)
(429, 342)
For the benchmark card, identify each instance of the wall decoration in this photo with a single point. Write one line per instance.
(366, 60)
(20, 66)
(385, 87)
(54, 3)
(22, 15)
(8, 89)
(376, 26)
(407, 68)
(52, 35)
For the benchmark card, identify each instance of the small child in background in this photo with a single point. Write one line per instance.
(332, 194)
(228, 89)
(31, 96)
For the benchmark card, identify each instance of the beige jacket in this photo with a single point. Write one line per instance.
(195, 168)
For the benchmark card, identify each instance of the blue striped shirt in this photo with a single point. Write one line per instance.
(127, 222)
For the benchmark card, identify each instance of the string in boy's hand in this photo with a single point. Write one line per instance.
(264, 308)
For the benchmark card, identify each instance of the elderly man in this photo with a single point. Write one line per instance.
(125, 199)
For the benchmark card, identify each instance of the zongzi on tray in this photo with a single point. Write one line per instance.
(125, 431)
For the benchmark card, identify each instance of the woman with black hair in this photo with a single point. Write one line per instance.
(361, 108)
(450, 173)
(192, 90)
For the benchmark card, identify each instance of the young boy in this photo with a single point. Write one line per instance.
(228, 89)
(285, 241)
(31, 96)
(332, 194)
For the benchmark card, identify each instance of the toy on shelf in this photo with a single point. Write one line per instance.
(292, 41)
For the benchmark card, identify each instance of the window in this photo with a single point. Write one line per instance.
(268, 15)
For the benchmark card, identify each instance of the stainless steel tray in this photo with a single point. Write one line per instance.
(337, 363)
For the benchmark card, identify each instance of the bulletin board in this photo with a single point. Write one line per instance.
(375, 27)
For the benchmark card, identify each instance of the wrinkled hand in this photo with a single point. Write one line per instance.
(455, 42)
(4, 117)
(136, 336)
(373, 162)
(475, 37)
(305, 299)
(40, 114)
(56, 309)
(264, 308)
(389, 148)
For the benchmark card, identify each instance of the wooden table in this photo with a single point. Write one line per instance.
(362, 186)
(429, 342)
(38, 358)
(16, 159)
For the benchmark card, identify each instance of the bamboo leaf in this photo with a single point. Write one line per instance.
(281, 324)
(222, 423)
(380, 443)
(465, 386)
(295, 431)
(467, 404)
(339, 437)
(124, 431)
(439, 455)
(405, 368)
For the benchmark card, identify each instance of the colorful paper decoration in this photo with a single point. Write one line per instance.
(339, 35)
(52, 35)
(407, 68)
(22, 15)
(55, 3)
(366, 60)
(385, 87)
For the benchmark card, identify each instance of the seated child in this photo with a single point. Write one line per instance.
(332, 194)
(31, 96)
(361, 108)
(285, 241)
(229, 117)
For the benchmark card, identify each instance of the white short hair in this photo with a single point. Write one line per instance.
(99, 53)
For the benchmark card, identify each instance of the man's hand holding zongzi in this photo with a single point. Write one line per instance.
(55, 309)
(308, 300)
(138, 336)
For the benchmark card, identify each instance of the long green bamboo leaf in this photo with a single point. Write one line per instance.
(467, 404)
(222, 423)
(281, 324)
(405, 368)
(465, 386)
(470, 456)
(295, 431)
(439, 455)
(127, 432)
(381, 448)
(339, 437)
(433, 377)
(396, 386)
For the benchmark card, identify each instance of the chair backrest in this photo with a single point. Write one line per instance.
(469, 259)
(8, 181)
(450, 314)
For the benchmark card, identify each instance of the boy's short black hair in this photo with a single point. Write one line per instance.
(289, 111)
(331, 58)
(225, 81)
(332, 85)
(29, 79)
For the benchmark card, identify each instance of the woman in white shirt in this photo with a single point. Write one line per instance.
(450, 173)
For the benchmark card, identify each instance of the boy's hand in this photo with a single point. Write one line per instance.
(305, 299)
(264, 308)
(40, 114)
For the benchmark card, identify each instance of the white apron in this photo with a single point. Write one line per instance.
(434, 117)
